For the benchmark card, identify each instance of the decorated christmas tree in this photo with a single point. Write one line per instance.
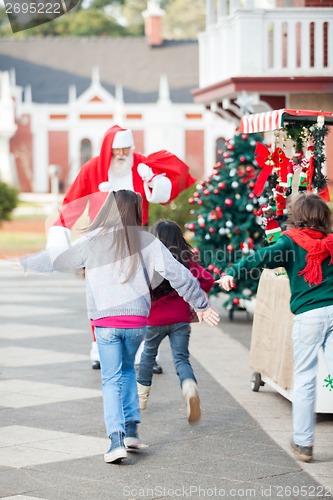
(224, 206)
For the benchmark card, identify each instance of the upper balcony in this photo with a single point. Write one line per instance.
(243, 39)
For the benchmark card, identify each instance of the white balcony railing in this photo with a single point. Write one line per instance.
(258, 42)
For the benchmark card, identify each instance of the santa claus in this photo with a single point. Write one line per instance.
(158, 177)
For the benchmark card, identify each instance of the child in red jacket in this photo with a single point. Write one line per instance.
(170, 316)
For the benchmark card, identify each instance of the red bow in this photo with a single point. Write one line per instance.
(267, 161)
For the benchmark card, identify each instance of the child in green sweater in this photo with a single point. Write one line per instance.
(306, 252)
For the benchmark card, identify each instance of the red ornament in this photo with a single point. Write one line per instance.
(219, 151)
(210, 267)
(245, 137)
(202, 183)
(249, 169)
(230, 248)
(196, 194)
(242, 159)
(222, 185)
(191, 201)
(206, 192)
(199, 202)
(191, 227)
(251, 185)
(226, 155)
(251, 196)
(228, 202)
(211, 230)
(235, 301)
(216, 270)
(230, 147)
(250, 243)
(216, 191)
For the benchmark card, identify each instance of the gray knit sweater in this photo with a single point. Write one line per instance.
(106, 292)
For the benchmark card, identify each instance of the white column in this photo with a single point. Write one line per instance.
(7, 128)
(234, 5)
(222, 8)
(305, 45)
(210, 13)
(291, 51)
(277, 46)
(318, 45)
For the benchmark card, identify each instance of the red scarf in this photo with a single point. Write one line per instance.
(319, 246)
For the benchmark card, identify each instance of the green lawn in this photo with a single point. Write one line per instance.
(16, 243)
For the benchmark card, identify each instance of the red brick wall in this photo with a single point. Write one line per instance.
(58, 154)
(318, 3)
(139, 141)
(305, 3)
(194, 156)
(21, 148)
(275, 101)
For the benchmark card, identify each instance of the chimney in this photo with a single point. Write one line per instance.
(153, 23)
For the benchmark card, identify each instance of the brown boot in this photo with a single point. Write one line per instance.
(191, 396)
(143, 393)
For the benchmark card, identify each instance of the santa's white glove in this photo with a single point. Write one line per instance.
(157, 187)
(58, 240)
(145, 172)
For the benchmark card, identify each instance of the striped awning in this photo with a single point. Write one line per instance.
(273, 120)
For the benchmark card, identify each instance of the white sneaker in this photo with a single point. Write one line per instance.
(191, 396)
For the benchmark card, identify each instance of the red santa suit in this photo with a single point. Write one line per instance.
(170, 176)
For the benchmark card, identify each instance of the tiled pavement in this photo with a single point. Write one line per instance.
(52, 436)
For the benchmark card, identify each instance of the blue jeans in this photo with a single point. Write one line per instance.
(179, 336)
(312, 330)
(117, 348)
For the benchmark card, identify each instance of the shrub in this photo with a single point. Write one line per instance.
(178, 210)
(8, 200)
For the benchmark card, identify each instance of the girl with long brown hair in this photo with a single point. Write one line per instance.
(122, 263)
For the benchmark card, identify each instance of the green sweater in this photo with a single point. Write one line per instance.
(286, 253)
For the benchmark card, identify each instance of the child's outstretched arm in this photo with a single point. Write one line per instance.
(209, 316)
(226, 282)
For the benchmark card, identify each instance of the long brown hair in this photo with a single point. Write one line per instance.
(170, 234)
(308, 210)
(121, 213)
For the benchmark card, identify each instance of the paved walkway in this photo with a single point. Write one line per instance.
(52, 436)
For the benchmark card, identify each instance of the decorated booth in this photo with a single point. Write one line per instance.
(294, 162)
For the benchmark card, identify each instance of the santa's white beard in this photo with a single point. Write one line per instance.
(121, 165)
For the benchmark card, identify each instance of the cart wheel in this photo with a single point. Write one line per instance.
(256, 381)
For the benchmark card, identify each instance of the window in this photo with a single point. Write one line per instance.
(85, 151)
(220, 148)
